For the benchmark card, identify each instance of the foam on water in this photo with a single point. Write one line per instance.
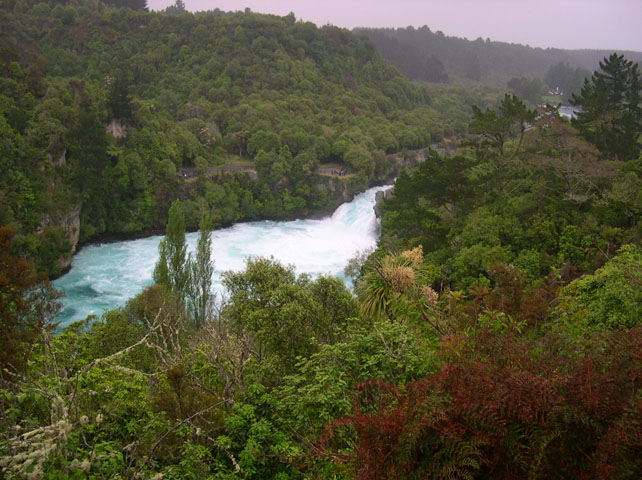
(104, 277)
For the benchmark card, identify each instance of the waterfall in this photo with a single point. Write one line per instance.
(103, 277)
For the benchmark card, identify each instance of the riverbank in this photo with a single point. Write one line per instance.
(106, 276)
(343, 188)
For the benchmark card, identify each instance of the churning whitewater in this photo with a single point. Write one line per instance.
(103, 277)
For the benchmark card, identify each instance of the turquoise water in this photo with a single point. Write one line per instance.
(103, 277)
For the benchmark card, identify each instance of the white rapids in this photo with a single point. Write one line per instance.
(105, 276)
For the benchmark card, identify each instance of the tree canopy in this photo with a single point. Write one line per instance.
(611, 109)
(494, 333)
(28, 308)
(113, 113)
(171, 268)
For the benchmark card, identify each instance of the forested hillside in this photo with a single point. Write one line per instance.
(530, 189)
(101, 107)
(495, 333)
(434, 57)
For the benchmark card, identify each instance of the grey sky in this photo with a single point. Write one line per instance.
(604, 24)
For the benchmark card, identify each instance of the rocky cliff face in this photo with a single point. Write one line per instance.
(69, 223)
(379, 198)
(337, 187)
(399, 161)
(117, 129)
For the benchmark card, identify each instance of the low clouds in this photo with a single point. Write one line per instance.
(544, 23)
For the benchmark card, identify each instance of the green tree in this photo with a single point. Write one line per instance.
(119, 102)
(200, 271)
(530, 89)
(611, 116)
(269, 302)
(178, 7)
(133, 4)
(171, 268)
(286, 316)
(472, 67)
(27, 307)
(262, 140)
(321, 389)
(500, 136)
(610, 298)
(427, 198)
(565, 78)
(497, 128)
(359, 158)
(434, 70)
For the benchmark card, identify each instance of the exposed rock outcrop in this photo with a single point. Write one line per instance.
(70, 224)
(60, 162)
(117, 129)
(399, 161)
(337, 187)
(379, 198)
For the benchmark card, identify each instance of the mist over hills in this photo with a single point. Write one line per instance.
(220, 88)
(423, 54)
(495, 331)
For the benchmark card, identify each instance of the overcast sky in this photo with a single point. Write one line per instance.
(604, 24)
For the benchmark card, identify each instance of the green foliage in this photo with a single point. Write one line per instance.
(200, 269)
(611, 116)
(423, 54)
(187, 91)
(610, 298)
(504, 407)
(320, 390)
(171, 269)
(566, 79)
(385, 281)
(360, 159)
(28, 307)
(254, 443)
(119, 103)
(426, 197)
(248, 395)
(287, 316)
(530, 89)
(530, 370)
(497, 128)
(538, 197)
(133, 4)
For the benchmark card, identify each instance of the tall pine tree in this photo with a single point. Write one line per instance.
(200, 271)
(611, 116)
(171, 269)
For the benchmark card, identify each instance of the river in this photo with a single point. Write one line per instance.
(105, 276)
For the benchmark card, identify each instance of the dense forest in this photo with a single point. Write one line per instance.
(495, 333)
(104, 108)
(434, 57)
